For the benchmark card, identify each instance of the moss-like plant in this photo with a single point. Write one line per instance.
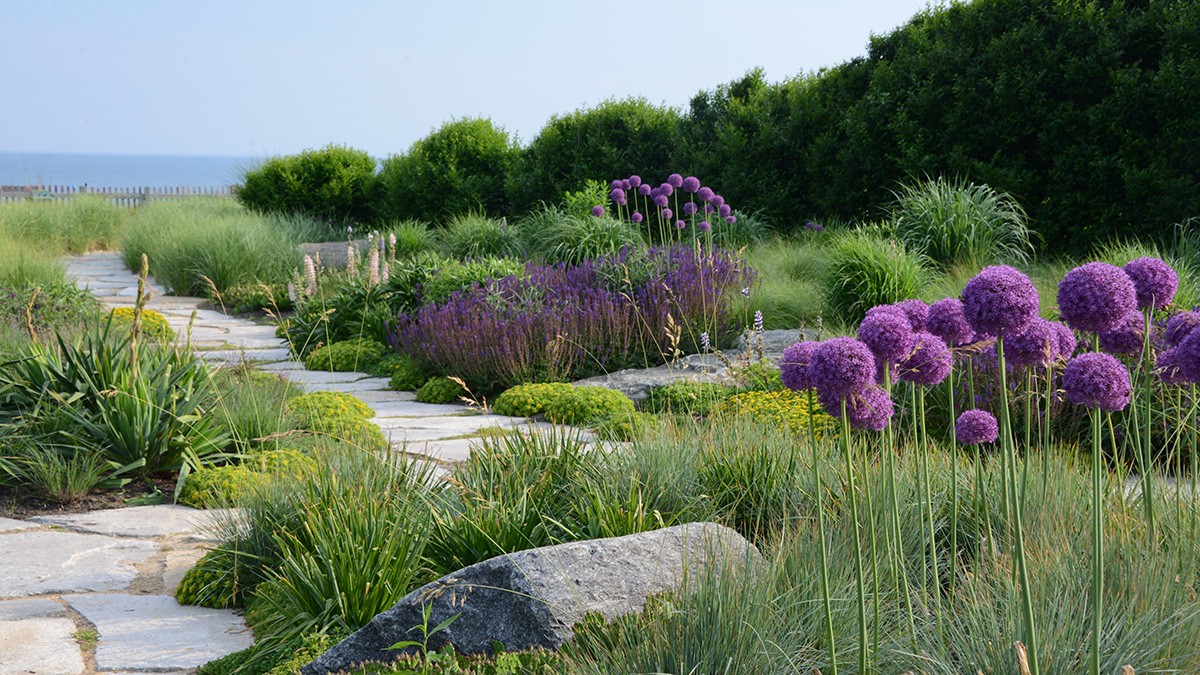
(527, 400)
(361, 354)
(153, 324)
(440, 390)
(207, 584)
(585, 405)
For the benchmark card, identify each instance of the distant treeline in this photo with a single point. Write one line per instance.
(1088, 112)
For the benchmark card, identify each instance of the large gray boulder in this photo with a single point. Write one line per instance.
(534, 598)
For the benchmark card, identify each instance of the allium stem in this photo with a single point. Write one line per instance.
(953, 487)
(858, 557)
(819, 505)
(1097, 541)
(1147, 457)
(924, 449)
(898, 566)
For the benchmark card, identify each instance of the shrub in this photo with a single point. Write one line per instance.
(867, 270)
(958, 222)
(783, 409)
(458, 169)
(216, 486)
(245, 298)
(362, 354)
(455, 276)
(412, 237)
(207, 585)
(474, 235)
(527, 400)
(153, 325)
(339, 415)
(585, 405)
(686, 396)
(556, 237)
(334, 184)
(405, 373)
(439, 390)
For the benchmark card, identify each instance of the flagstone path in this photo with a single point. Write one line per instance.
(94, 592)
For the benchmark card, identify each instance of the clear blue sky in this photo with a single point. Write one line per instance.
(253, 78)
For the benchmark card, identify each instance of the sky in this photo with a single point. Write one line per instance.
(251, 78)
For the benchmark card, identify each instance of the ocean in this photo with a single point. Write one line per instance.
(120, 171)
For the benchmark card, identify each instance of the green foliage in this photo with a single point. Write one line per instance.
(474, 235)
(217, 486)
(458, 169)
(152, 324)
(51, 307)
(361, 354)
(339, 415)
(455, 275)
(206, 584)
(334, 184)
(865, 270)
(686, 396)
(611, 140)
(77, 225)
(624, 427)
(245, 298)
(25, 264)
(527, 400)
(412, 237)
(956, 222)
(405, 373)
(580, 202)
(757, 376)
(440, 390)
(585, 405)
(249, 405)
(557, 237)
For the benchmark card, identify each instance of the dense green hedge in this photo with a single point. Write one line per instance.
(334, 183)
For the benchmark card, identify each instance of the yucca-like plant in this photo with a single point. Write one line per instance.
(955, 221)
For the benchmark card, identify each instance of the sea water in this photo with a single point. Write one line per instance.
(121, 171)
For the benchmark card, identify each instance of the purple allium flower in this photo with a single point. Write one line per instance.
(675, 180)
(680, 224)
(618, 196)
(689, 209)
(661, 201)
(815, 227)
(1169, 370)
(598, 211)
(616, 184)
(636, 217)
(731, 219)
(916, 311)
(929, 362)
(708, 208)
(1066, 340)
(793, 365)
(1188, 356)
(842, 366)
(1097, 380)
(1126, 337)
(885, 330)
(717, 200)
(999, 301)
(666, 189)
(668, 214)
(1154, 281)
(627, 186)
(636, 181)
(704, 226)
(945, 319)
(705, 194)
(1180, 326)
(1095, 297)
(690, 184)
(724, 210)
(644, 190)
(976, 426)
(869, 409)
(1034, 347)
(654, 193)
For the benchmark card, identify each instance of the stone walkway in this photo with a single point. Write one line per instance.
(94, 592)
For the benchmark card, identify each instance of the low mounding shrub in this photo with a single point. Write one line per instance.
(457, 169)
(404, 373)
(565, 323)
(207, 585)
(586, 405)
(866, 269)
(339, 415)
(439, 390)
(455, 276)
(687, 396)
(216, 486)
(334, 184)
(360, 354)
(153, 325)
(527, 400)
(474, 235)
(782, 409)
(957, 222)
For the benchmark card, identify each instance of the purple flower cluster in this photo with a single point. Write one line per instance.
(1097, 380)
(793, 365)
(1126, 337)
(1095, 297)
(947, 321)
(1154, 281)
(1180, 326)
(840, 367)
(1000, 301)
(869, 409)
(916, 311)
(1034, 347)
(974, 427)
(929, 362)
(886, 331)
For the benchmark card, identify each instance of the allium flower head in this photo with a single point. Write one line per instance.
(793, 365)
(1126, 337)
(668, 214)
(974, 427)
(661, 201)
(1188, 356)
(689, 208)
(717, 200)
(618, 196)
(724, 210)
(636, 181)
(916, 311)
(842, 366)
(1180, 326)
(598, 211)
(643, 190)
(690, 184)
(999, 301)
(675, 180)
(1168, 368)
(680, 224)
(636, 217)
(1097, 380)
(705, 194)
(616, 184)
(1154, 280)
(666, 189)
(815, 227)
(1095, 297)
(704, 226)
(1066, 340)
(868, 409)
(1034, 347)
(708, 208)
(887, 333)
(947, 321)
(929, 362)
(731, 219)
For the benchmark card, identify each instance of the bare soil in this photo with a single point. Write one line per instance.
(21, 503)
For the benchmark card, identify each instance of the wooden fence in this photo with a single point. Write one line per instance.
(120, 196)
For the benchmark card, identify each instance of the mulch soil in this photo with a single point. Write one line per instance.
(21, 503)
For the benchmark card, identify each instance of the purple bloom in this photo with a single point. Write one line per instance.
(976, 426)
(731, 219)
(675, 180)
(1095, 297)
(1066, 340)
(1180, 326)
(705, 194)
(758, 321)
(626, 185)
(945, 319)
(666, 189)
(618, 196)
(841, 366)
(1034, 347)
(887, 333)
(929, 362)
(717, 200)
(654, 193)
(1168, 368)
(916, 311)
(1126, 337)
(1000, 301)
(724, 210)
(690, 184)
(689, 208)
(643, 190)
(1189, 356)
(680, 224)
(793, 365)
(815, 227)
(636, 217)
(1154, 281)
(869, 409)
(704, 226)
(668, 214)
(708, 208)
(616, 184)
(661, 201)
(636, 181)
(1097, 380)
(598, 211)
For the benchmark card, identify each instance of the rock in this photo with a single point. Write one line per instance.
(775, 341)
(43, 561)
(39, 647)
(534, 598)
(32, 608)
(10, 525)
(136, 521)
(333, 253)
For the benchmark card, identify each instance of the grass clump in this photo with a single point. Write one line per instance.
(866, 269)
(77, 225)
(411, 237)
(475, 235)
(687, 397)
(958, 222)
(440, 390)
(555, 236)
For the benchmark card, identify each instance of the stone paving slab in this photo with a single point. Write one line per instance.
(279, 366)
(42, 562)
(39, 647)
(136, 521)
(10, 525)
(414, 409)
(255, 356)
(378, 398)
(458, 450)
(365, 384)
(30, 608)
(153, 632)
(317, 377)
